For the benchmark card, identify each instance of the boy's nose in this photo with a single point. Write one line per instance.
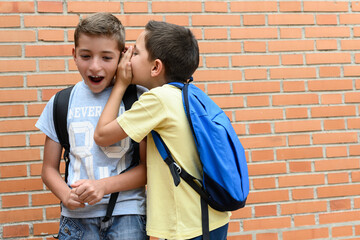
(95, 65)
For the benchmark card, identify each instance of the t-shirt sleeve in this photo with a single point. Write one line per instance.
(147, 114)
(46, 122)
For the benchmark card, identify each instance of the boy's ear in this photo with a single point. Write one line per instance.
(157, 68)
(74, 53)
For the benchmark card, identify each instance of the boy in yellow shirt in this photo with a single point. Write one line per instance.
(163, 53)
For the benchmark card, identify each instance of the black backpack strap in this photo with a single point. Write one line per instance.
(129, 98)
(60, 110)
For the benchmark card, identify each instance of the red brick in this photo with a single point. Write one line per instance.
(21, 215)
(342, 231)
(335, 217)
(323, 6)
(216, 6)
(255, 60)
(298, 126)
(10, 21)
(10, 51)
(218, 33)
(299, 153)
(215, 75)
(267, 210)
(256, 87)
(254, 20)
(259, 128)
(268, 196)
(50, 7)
(290, 33)
(136, 7)
(338, 191)
(11, 110)
(291, 19)
(326, 138)
(254, 46)
(51, 20)
(46, 228)
(303, 207)
(291, 6)
(267, 236)
(267, 223)
(300, 166)
(333, 111)
(51, 35)
(7, 186)
(292, 59)
(266, 168)
(254, 114)
(264, 183)
(16, 7)
(11, 81)
(302, 193)
(13, 171)
(301, 180)
(326, 19)
(292, 113)
(295, 99)
(294, 86)
(93, 6)
(12, 231)
(179, 6)
(292, 73)
(17, 66)
(257, 101)
(262, 155)
(179, 20)
(7, 156)
(326, 32)
(254, 6)
(325, 44)
(304, 220)
(253, 33)
(18, 200)
(298, 140)
(306, 234)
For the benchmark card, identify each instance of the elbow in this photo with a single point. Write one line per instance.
(99, 140)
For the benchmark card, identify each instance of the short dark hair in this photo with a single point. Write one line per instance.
(175, 46)
(101, 24)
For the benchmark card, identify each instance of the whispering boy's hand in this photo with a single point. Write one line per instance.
(124, 70)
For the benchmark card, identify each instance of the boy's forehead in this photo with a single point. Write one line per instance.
(86, 39)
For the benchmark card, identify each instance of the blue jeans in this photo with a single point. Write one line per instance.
(127, 227)
(216, 234)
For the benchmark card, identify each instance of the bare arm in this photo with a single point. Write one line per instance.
(92, 191)
(108, 131)
(51, 175)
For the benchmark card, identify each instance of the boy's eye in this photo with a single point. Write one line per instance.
(85, 56)
(107, 58)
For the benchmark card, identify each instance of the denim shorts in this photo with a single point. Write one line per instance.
(218, 234)
(126, 227)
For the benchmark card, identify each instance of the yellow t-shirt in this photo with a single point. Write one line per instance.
(172, 212)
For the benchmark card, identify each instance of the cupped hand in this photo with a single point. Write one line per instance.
(124, 70)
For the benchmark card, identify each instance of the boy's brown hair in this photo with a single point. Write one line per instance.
(175, 46)
(101, 24)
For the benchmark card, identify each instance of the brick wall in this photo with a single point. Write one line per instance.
(285, 72)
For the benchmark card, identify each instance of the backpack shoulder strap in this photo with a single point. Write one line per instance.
(130, 96)
(60, 110)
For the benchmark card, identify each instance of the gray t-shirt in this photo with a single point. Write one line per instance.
(88, 160)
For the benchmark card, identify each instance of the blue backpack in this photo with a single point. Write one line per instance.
(225, 183)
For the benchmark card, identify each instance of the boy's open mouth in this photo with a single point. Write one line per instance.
(96, 79)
